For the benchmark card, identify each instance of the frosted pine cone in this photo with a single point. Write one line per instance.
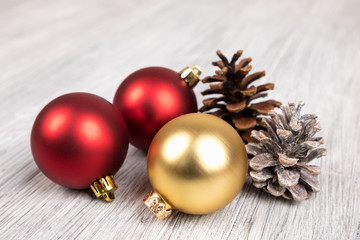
(280, 158)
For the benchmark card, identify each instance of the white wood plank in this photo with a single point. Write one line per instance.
(310, 50)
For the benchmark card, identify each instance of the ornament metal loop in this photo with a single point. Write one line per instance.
(158, 205)
(104, 187)
(191, 75)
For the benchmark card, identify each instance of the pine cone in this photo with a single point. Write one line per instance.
(234, 103)
(280, 163)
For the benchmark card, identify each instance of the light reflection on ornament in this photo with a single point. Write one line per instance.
(135, 94)
(210, 152)
(166, 98)
(90, 128)
(176, 145)
(56, 122)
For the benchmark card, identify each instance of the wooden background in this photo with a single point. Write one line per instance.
(310, 50)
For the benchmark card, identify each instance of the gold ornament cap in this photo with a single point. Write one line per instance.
(157, 205)
(191, 75)
(105, 188)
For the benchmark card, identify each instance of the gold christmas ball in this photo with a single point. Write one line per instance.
(197, 164)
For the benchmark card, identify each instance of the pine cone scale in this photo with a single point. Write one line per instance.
(310, 179)
(249, 92)
(265, 87)
(245, 135)
(222, 57)
(236, 107)
(251, 78)
(235, 57)
(210, 101)
(217, 86)
(257, 95)
(287, 161)
(287, 178)
(274, 190)
(261, 176)
(262, 161)
(311, 168)
(315, 154)
(214, 79)
(219, 64)
(253, 149)
(274, 103)
(244, 123)
(262, 107)
(284, 135)
(244, 62)
(259, 184)
(220, 113)
(241, 72)
(298, 192)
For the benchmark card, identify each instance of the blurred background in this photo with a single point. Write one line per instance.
(92, 45)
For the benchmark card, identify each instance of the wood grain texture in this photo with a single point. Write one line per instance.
(310, 50)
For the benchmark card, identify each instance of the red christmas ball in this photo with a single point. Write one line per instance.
(149, 98)
(79, 138)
